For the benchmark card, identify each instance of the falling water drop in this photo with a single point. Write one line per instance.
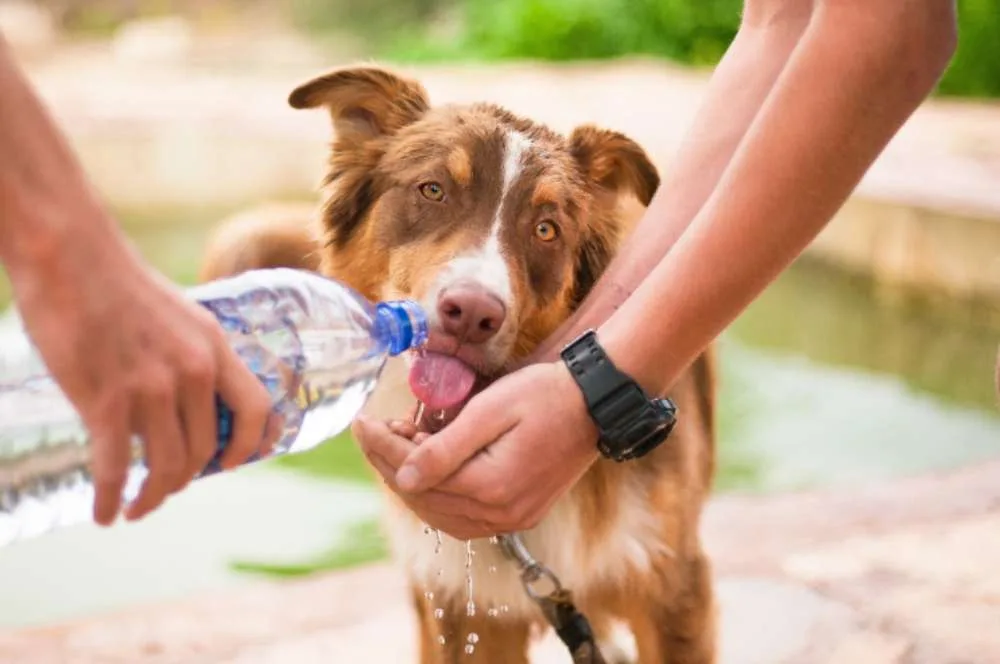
(441, 640)
(469, 649)
(504, 608)
(494, 539)
(493, 569)
(492, 612)
(439, 614)
(470, 608)
(429, 595)
(472, 638)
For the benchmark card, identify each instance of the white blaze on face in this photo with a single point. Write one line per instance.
(486, 265)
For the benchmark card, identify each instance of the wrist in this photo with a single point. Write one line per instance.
(46, 237)
(629, 423)
(632, 355)
(588, 442)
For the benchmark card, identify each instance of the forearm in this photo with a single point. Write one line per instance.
(733, 97)
(860, 70)
(44, 193)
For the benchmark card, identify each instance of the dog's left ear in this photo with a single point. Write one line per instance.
(615, 165)
(614, 162)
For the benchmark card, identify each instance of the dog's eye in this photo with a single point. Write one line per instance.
(432, 191)
(546, 231)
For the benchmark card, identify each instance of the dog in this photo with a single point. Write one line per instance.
(500, 226)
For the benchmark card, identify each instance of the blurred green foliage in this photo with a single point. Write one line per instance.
(687, 31)
(691, 32)
(975, 69)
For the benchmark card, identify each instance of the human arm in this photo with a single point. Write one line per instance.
(132, 355)
(769, 32)
(855, 75)
(859, 72)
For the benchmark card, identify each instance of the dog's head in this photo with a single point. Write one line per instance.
(497, 225)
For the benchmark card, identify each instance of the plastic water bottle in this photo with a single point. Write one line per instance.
(317, 345)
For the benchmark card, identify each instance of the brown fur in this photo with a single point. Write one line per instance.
(382, 239)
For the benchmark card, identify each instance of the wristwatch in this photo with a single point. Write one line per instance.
(630, 423)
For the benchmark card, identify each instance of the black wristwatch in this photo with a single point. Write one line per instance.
(630, 423)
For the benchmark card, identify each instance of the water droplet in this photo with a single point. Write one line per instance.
(441, 640)
(504, 608)
(472, 638)
(439, 613)
(492, 612)
(429, 595)
(440, 572)
(427, 530)
(494, 539)
(470, 608)
(469, 649)
(493, 569)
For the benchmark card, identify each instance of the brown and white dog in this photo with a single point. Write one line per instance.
(500, 226)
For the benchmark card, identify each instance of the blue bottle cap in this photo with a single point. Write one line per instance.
(402, 325)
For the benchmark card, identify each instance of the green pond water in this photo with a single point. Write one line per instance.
(824, 381)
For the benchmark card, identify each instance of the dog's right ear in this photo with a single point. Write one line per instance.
(364, 102)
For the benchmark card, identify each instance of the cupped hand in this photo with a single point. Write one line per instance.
(137, 359)
(514, 450)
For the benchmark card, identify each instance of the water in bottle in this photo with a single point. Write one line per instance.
(316, 345)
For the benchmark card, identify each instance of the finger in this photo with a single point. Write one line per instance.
(439, 456)
(439, 510)
(272, 433)
(375, 437)
(432, 501)
(109, 464)
(247, 398)
(404, 428)
(199, 415)
(157, 421)
(445, 499)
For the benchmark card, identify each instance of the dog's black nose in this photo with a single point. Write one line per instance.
(470, 313)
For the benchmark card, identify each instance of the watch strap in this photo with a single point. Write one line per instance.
(630, 424)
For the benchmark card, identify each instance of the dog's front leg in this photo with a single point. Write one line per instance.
(449, 636)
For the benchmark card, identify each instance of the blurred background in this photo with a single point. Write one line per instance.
(871, 359)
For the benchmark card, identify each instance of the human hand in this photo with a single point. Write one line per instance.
(136, 358)
(514, 450)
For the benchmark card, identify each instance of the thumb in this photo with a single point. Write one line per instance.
(442, 454)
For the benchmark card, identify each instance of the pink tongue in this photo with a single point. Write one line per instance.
(440, 381)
